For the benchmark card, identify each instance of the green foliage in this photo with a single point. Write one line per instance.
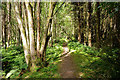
(53, 53)
(52, 57)
(94, 63)
(46, 72)
(63, 41)
(11, 72)
(111, 8)
(13, 61)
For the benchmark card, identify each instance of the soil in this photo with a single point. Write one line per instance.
(67, 66)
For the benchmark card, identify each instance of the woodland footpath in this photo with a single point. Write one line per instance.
(60, 40)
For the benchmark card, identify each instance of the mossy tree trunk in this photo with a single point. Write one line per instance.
(33, 52)
(24, 40)
(47, 34)
(38, 11)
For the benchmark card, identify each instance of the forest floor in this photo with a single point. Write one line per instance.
(67, 67)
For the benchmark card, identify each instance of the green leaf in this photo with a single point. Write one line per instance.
(10, 73)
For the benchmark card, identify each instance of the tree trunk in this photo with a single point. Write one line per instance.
(98, 25)
(31, 36)
(89, 24)
(5, 27)
(8, 28)
(47, 34)
(55, 30)
(38, 29)
(84, 23)
(79, 24)
(26, 24)
(25, 45)
(52, 31)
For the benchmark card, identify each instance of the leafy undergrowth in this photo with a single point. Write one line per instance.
(94, 63)
(14, 65)
(51, 71)
(13, 61)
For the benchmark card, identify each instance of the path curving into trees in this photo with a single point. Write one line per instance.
(32, 35)
(67, 67)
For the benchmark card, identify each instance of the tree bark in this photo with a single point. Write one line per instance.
(8, 27)
(98, 25)
(38, 29)
(5, 27)
(47, 34)
(79, 24)
(31, 36)
(26, 24)
(89, 24)
(25, 45)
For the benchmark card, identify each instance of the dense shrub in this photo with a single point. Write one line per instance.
(54, 52)
(96, 63)
(52, 57)
(13, 61)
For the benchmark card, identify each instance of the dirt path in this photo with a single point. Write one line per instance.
(67, 67)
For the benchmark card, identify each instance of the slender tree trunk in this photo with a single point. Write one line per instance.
(52, 31)
(75, 25)
(0, 29)
(2, 34)
(19, 37)
(25, 45)
(8, 19)
(85, 26)
(5, 27)
(46, 34)
(111, 33)
(26, 24)
(34, 17)
(98, 25)
(38, 29)
(89, 24)
(55, 30)
(20, 10)
(31, 36)
(79, 24)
